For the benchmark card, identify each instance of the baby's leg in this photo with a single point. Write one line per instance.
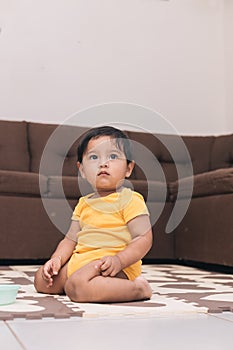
(58, 282)
(88, 285)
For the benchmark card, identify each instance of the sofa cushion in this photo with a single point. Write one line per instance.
(160, 155)
(14, 146)
(145, 151)
(152, 191)
(38, 135)
(19, 182)
(73, 187)
(172, 151)
(222, 152)
(210, 183)
(60, 154)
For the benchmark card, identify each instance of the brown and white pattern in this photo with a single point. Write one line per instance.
(176, 289)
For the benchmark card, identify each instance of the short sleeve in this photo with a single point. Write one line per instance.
(77, 211)
(135, 207)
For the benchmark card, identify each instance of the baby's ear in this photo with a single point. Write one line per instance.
(80, 168)
(130, 167)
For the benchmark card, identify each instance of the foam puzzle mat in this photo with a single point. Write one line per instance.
(176, 289)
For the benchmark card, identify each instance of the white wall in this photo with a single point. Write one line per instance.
(58, 57)
(228, 22)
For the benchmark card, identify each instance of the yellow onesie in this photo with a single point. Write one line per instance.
(104, 230)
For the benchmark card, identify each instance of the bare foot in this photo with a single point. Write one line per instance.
(144, 287)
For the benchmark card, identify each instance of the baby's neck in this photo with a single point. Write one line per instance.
(104, 193)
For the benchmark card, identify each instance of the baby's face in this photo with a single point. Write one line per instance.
(104, 165)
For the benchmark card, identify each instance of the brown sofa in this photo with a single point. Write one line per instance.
(34, 211)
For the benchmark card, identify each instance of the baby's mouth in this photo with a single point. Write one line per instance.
(103, 173)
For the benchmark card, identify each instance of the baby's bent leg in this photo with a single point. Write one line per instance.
(87, 285)
(58, 282)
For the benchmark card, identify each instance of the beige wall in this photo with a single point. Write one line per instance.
(228, 46)
(58, 57)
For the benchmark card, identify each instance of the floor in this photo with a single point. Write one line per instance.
(197, 331)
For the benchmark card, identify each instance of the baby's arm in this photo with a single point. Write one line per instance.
(62, 253)
(141, 233)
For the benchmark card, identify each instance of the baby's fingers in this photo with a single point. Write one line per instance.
(48, 271)
(54, 269)
(46, 274)
(105, 265)
(50, 282)
(107, 272)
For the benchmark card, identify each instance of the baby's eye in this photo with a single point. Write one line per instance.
(93, 157)
(113, 156)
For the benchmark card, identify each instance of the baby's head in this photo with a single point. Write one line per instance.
(121, 139)
(104, 159)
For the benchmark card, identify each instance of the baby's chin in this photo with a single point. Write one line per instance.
(105, 186)
(104, 191)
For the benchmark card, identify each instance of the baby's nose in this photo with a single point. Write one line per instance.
(103, 162)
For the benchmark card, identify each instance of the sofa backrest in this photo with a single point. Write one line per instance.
(222, 152)
(200, 148)
(22, 146)
(160, 148)
(56, 145)
(14, 153)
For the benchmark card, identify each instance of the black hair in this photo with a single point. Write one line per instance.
(121, 138)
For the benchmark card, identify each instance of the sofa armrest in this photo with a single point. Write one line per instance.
(206, 184)
(22, 183)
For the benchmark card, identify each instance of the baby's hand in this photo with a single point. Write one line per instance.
(51, 268)
(110, 266)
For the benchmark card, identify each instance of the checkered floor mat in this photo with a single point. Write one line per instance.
(176, 289)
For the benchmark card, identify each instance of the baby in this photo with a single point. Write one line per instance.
(99, 259)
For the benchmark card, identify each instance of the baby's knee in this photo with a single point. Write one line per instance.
(77, 286)
(38, 281)
(74, 288)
